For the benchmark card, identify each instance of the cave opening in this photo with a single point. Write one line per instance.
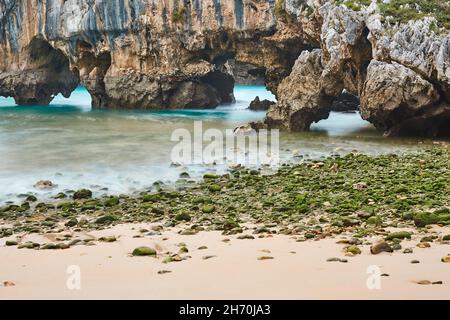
(46, 74)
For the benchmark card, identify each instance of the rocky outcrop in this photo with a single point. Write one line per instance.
(45, 74)
(394, 94)
(141, 53)
(190, 53)
(258, 105)
(400, 72)
(302, 95)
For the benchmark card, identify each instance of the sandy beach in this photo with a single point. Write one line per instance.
(298, 270)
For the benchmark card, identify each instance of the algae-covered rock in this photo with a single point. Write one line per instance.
(208, 208)
(108, 239)
(151, 198)
(144, 251)
(215, 187)
(111, 202)
(398, 235)
(423, 219)
(353, 250)
(183, 216)
(82, 194)
(106, 219)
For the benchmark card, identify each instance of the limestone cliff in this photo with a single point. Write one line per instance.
(141, 53)
(400, 70)
(188, 54)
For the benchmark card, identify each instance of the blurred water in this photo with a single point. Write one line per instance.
(113, 151)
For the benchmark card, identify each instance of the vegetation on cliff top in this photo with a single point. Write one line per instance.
(406, 10)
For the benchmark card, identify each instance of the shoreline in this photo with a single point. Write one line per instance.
(355, 200)
(298, 270)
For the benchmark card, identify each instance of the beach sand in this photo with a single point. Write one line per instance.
(299, 270)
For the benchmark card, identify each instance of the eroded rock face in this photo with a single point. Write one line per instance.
(394, 94)
(143, 54)
(302, 98)
(46, 73)
(189, 54)
(401, 73)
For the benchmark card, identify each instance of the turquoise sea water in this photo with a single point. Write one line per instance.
(124, 151)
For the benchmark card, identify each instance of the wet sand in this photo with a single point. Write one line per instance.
(299, 270)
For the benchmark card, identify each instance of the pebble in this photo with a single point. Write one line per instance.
(108, 239)
(381, 246)
(164, 271)
(446, 259)
(353, 250)
(8, 284)
(408, 250)
(246, 237)
(82, 194)
(44, 184)
(337, 260)
(399, 235)
(188, 232)
(208, 257)
(423, 245)
(424, 282)
(144, 251)
(183, 250)
(265, 258)
(415, 261)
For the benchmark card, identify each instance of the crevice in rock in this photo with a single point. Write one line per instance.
(93, 69)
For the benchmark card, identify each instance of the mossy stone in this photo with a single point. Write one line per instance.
(82, 194)
(72, 222)
(144, 251)
(211, 176)
(151, 198)
(183, 216)
(375, 220)
(108, 239)
(353, 249)
(215, 187)
(106, 219)
(111, 202)
(208, 208)
(399, 235)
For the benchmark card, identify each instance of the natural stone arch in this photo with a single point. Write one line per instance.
(45, 74)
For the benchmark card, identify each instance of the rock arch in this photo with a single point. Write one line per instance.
(44, 74)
